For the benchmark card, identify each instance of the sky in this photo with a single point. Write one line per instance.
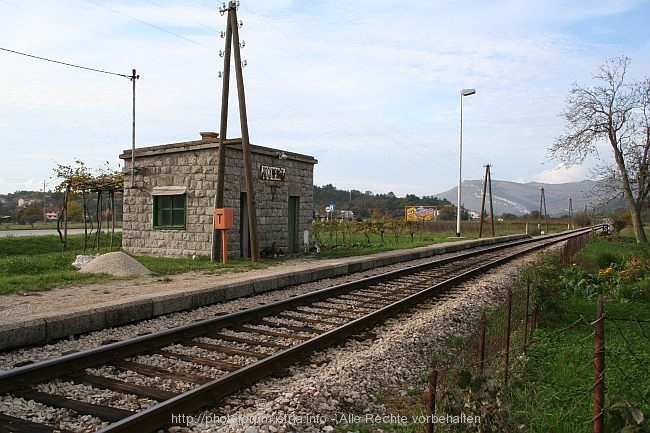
(370, 88)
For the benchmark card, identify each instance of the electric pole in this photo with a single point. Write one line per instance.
(232, 41)
(487, 181)
(542, 204)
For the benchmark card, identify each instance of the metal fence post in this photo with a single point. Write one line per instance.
(431, 397)
(507, 351)
(526, 300)
(481, 343)
(599, 369)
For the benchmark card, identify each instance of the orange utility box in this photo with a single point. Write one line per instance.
(224, 218)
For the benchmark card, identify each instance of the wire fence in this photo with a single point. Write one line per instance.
(473, 379)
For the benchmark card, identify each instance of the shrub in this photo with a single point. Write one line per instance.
(543, 278)
(606, 259)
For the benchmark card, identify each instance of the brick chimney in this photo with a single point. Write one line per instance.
(209, 136)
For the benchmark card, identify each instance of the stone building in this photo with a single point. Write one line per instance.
(168, 211)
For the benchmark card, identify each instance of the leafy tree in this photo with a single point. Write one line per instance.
(30, 213)
(448, 213)
(75, 211)
(533, 215)
(369, 205)
(616, 112)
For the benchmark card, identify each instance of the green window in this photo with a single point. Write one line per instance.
(169, 211)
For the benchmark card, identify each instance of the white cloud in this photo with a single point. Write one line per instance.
(372, 83)
(562, 173)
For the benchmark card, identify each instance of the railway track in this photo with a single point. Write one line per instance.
(134, 385)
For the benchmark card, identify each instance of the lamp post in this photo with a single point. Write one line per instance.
(45, 183)
(463, 92)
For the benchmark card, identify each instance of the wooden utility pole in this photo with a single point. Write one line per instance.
(487, 181)
(542, 204)
(232, 41)
(223, 130)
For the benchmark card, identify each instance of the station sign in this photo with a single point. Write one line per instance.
(273, 173)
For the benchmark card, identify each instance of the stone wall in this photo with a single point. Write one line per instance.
(192, 167)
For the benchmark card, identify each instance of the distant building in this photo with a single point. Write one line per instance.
(169, 210)
(52, 213)
(24, 201)
(346, 215)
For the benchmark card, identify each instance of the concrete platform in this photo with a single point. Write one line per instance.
(44, 321)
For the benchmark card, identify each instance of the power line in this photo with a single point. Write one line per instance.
(51, 18)
(64, 63)
(212, 29)
(153, 25)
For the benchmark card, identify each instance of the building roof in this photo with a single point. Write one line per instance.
(210, 140)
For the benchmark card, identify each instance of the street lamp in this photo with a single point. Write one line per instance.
(463, 92)
(45, 182)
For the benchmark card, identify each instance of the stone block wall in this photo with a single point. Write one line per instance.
(192, 167)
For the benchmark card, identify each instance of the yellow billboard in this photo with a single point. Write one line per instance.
(421, 213)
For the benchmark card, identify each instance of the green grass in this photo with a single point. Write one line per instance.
(170, 266)
(51, 225)
(555, 394)
(554, 391)
(601, 252)
(32, 263)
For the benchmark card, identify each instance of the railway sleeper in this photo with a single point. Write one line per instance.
(105, 413)
(10, 424)
(120, 386)
(154, 371)
(199, 360)
(228, 350)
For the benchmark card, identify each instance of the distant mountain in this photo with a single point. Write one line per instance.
(522, 198)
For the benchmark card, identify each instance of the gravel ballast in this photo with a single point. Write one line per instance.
(322, 393)
(351, 382)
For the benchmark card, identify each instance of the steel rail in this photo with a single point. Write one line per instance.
(157, 415)
(47, 369)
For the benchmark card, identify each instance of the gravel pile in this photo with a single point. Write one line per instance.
(115, 263)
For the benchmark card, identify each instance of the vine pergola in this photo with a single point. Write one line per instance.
(80, 180)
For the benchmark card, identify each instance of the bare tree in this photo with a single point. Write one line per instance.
(617, 112)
